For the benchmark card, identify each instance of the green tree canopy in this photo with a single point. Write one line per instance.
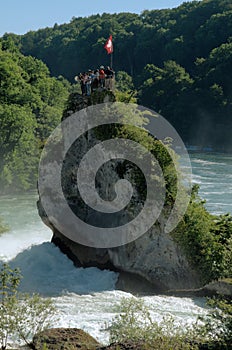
(31, 105)
(192, 39)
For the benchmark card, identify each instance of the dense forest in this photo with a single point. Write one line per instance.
(31, 105)
(180, 61)
(177, 61)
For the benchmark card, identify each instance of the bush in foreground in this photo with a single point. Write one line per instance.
(217, 328)
(21, 315)
(134, 325)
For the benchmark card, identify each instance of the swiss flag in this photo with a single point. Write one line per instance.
(109, 45)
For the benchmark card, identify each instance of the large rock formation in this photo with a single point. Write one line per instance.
(155, 257)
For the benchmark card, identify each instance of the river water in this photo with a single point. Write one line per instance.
(87, 298)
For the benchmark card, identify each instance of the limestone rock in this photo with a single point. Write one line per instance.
(155, 256)
(76, 102)
(64, 339)
(221, 287)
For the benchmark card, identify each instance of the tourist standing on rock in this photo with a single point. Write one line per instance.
(95, 80)
(88, 82)
(102, 77)
(109, 78)
(81, 79)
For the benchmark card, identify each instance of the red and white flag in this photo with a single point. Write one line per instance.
(109, 45)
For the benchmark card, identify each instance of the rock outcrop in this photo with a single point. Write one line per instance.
(64, 339)
(74, 338)
(155, 257)
(213, 289)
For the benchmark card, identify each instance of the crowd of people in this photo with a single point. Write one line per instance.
(94, 79)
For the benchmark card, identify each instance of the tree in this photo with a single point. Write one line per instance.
(217, 327)
(9, 282)
(31, 105)
(134, 324)
(21, 315)
(33, 314)
(124, 81)
(16, 123)
(168, 90)
(205, 239)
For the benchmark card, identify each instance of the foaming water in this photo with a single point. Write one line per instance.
(93, 313)
(26, 228)
(87, 298)
(213, 172)
(47, 271)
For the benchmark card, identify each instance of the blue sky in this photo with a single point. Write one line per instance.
(20, 16)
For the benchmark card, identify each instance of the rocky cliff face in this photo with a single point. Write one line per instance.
(155, 257)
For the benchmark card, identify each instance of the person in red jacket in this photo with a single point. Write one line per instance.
(102, 77)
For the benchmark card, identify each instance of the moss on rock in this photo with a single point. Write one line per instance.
(64, 339)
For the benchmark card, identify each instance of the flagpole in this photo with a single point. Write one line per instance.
(111, 60)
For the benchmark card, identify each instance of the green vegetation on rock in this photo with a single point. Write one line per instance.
(206, 240)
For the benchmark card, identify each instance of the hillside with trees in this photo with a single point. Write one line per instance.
(175, 61)
(31, 105)
(180, 61)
